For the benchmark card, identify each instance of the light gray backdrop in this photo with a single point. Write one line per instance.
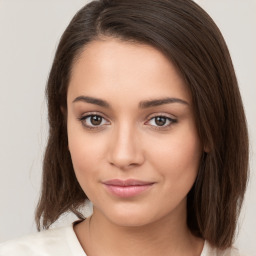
(29, 33)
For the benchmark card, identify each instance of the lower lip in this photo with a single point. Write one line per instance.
(127, 191)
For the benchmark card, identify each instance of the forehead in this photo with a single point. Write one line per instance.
(115, 69)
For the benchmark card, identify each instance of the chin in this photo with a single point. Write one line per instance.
(130, 216)
(129, 221)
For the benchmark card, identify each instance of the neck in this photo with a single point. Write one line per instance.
(167, 236)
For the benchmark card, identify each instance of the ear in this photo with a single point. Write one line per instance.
(63, 110)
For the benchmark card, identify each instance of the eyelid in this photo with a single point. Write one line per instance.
(88, 114)
(96, 113)
(164, 127)
(173, 120)
(161, 114)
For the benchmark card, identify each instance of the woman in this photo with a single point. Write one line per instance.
(146, 121)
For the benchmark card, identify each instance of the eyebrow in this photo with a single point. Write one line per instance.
(92, 100)
(143, 104)
(159, 102)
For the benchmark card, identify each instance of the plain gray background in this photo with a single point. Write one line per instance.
(29, 33)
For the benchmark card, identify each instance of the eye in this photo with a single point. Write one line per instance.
(93, 121)
(161, 121)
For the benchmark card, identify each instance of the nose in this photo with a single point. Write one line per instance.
(125, 149)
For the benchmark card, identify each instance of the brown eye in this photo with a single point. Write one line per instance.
(160, 120)
(95, 120)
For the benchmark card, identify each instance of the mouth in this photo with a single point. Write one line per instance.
(127, 188)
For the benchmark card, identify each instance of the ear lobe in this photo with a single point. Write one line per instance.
(63, 110)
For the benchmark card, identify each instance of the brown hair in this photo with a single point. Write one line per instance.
(191, 40)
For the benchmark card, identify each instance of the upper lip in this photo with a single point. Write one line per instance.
(126, 183)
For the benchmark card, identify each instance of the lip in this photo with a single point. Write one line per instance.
(127, 188)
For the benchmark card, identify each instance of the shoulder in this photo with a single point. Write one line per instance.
(57, 241)
(208, 250)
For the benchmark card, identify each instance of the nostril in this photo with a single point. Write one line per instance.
(126, 160)
(124, 151)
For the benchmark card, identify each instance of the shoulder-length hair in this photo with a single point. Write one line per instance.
(184, 33)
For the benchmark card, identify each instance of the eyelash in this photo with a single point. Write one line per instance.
(164, 127)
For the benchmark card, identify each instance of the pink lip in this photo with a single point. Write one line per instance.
(127, 188)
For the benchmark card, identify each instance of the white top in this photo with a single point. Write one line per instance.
(63, 241)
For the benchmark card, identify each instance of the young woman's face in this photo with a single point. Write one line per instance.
(132, 134)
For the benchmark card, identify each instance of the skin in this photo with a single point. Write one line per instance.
(129, 143)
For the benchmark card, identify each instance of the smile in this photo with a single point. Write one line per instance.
(127, 188)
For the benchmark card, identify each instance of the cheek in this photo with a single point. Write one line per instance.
(86, 157)
(178, 169)
(177, 158)
(86, 152)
